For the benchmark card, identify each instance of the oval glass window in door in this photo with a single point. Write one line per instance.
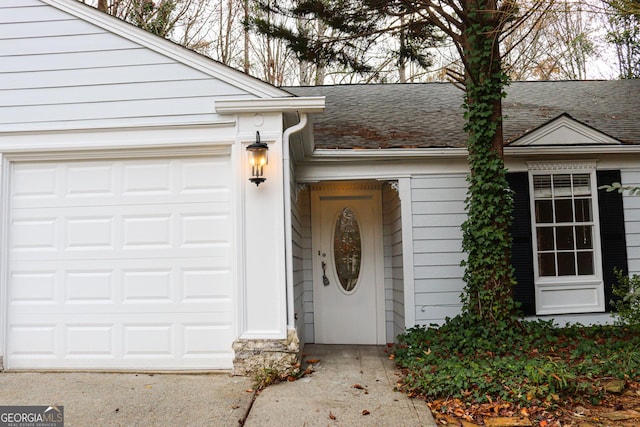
(347, 249)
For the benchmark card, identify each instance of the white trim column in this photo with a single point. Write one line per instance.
(262, 253)
(404, 191)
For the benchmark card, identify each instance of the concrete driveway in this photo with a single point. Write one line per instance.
(350, 386)
(108, 399)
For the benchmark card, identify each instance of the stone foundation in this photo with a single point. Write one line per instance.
(252, 356)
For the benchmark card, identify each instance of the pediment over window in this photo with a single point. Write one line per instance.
(564, 130)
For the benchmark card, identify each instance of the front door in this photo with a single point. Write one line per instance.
(348, 284)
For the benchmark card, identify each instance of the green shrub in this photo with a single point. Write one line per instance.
(628, 305)
(531, 363)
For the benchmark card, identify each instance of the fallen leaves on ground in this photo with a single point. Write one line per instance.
(614, 410)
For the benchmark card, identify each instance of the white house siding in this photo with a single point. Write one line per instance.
(304, 278)
(438, 213)
(632, 220)
(301, 253)
(60, 72)
(393, 277)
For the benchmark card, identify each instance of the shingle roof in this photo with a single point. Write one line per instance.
(429, 115)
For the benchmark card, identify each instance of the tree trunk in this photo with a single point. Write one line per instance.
(486, 239)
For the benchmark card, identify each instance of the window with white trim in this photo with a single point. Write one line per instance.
(566, 247)
(564, 224)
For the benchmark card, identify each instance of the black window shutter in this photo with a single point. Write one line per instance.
(612, 233)
(522, 247)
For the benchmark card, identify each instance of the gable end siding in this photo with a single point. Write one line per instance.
(60, 72)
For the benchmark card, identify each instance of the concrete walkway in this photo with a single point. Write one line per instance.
(351, 386)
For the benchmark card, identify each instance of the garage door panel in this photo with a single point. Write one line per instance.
(132, 182)
(115, 340)
(135, 291)
(121, 264)
(218, 197)
(133, 227)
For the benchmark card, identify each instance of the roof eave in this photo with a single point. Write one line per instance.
(408, 153)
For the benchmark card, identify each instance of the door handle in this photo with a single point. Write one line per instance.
(325, 279)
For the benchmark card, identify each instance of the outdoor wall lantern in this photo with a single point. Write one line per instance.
(258, 159)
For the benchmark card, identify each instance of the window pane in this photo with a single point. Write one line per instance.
(564, 210)
(564, 238)
(562, 185)
(582, 185)
(583, 237)
(547, 264)
(566, 264)
(545, 238)
(583, 210)
(585, 262)
(544, 211)
(347, 249)
(542, 186)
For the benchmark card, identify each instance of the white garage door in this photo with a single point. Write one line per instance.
(121, 264)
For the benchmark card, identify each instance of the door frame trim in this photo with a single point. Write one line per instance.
(352, 188)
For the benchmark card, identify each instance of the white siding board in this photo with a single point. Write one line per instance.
(175, 120)
(99, 76)
(633, 240)
(436, 233)
(451, 298)
(441, 285)
(83, 60)
(19, 3)
(31, 13)
(438, 259)
(445, 194)
(121, 109)
(442, 245)
(438, 272)
(631, 226)
(81, 42)
(426, 315)
(439, 181)
(56, 28)
(438, 220)
(632, 220)
(438, 213)
(115, 92)
(440, 207)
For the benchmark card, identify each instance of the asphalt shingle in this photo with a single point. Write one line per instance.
(429, 115)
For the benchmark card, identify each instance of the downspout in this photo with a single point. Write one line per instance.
(291, 324)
